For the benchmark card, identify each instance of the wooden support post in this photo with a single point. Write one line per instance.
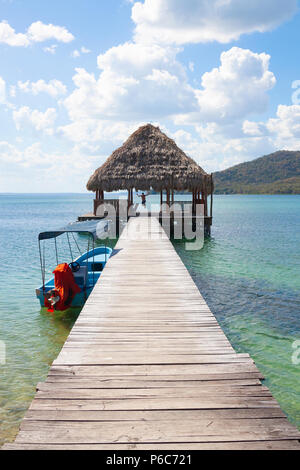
(211, 195)
(129, 198)
(205, 203)
(168, 197)
(194, 202)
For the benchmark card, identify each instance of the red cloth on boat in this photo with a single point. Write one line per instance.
(65, 285)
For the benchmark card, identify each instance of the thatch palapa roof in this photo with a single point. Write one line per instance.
(149, 159)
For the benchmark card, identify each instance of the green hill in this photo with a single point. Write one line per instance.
(277, 173)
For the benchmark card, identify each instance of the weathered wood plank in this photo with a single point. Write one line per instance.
(211, 402)
(181, 392)
(253, 445)
(173, 431)
(162, 415)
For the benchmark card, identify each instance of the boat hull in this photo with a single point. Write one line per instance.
(78, 301)
(93, 262)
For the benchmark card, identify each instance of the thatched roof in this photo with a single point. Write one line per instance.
(149, 159)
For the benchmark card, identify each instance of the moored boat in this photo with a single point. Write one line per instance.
(73, 282)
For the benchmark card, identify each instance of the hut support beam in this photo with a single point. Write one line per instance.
(211, 195)
(205, 203)
(168, 197)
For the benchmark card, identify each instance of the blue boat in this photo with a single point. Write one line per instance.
(86, 268)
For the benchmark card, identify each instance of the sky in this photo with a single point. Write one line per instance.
(77, 77)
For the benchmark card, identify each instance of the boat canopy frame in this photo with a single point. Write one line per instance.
(88, 227)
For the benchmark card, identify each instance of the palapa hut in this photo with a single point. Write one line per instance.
(151, 160)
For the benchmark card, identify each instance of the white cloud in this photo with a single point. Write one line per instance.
(136, 82)
(216, 147)
(41, 121)
(77, 53)
(84, 50)
(286, 125)
(12, 91)
(194, 21)
(139, 82)
(2, 91)
(51, 49)
(86, 132)
(40, 32)
(235, 89)
(10, 37)
(283, 130)
(37, 32)
(9, 153)
(53, 88)
(34, 168)
(252, 128)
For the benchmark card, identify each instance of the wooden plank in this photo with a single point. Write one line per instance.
(164, 415)
(154, 369)
(173, 431)
(106, 394)
(135, 383)
(211, 402)
(90, 357)
(253, 445)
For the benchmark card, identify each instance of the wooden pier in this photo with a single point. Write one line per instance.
(147, 366)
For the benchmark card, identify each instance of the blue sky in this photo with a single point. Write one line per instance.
(78, 76)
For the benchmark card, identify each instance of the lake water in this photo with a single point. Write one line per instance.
(248, 272)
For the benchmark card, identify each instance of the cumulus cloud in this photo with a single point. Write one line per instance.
(41, 121)
(135, 82)
(216, 146)
(139, 81)
(40, 32)
(235, 89)
(53, 88)
(252, 128)
(87, 132)
(10, 37)
(194, 21)
(287, 123)
(37, 32)
(283, 130)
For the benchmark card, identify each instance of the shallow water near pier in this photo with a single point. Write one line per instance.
(248, 272)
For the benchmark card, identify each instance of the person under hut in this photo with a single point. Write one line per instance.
(143, 196)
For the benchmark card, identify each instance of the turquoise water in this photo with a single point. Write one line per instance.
(249, 273)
